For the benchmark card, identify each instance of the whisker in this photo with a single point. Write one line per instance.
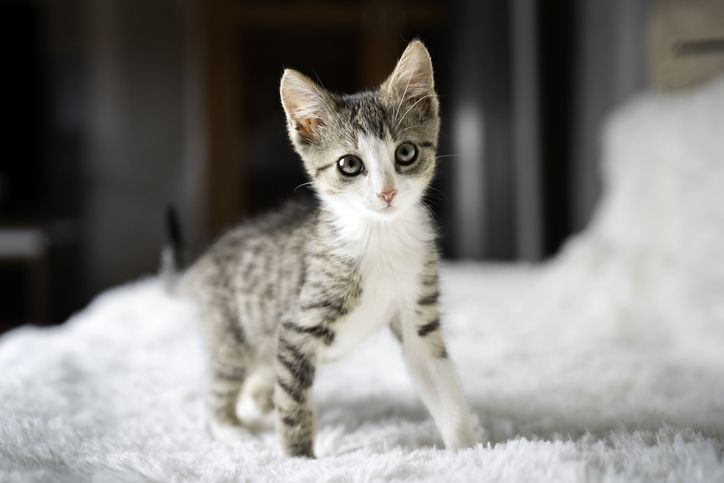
(411, 107)
(433, 201)
(448, 156)
(437, 191)
(430, 211)
(402, 98)
(408, 127)
(319, 81)
(302, 185)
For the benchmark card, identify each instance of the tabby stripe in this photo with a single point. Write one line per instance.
(427, 144)
(294, 351)
(319, 331)
(429, 327)
(229, 373)
(429, 299)
(293, 393)
(325, 304)
(299, 369)
(223, 393)
(303, 447)
(322, 168)
(335, 277)
(238, 333)
(316, 285)
(325, 257)
(429, 281)
(292, 419)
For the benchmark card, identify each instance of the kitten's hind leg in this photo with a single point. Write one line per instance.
(256, 397)
(228, 371)
(226, 382)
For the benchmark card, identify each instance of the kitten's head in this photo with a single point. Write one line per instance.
(372, 152)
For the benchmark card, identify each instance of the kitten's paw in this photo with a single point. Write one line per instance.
(300, 454)
(462, 442)
(462, 438)
(256, 395)
(227, 431)
(254, 409)
(255, 413)
(299, 450)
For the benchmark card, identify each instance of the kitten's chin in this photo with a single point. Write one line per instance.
(386, 213)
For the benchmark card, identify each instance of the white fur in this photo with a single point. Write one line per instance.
(379, 157)
(439, 387)
(391, 254)
(301, 97)
(413, 75)
(360, 200)
(603, 365)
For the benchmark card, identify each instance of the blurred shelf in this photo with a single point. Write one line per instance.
(336, 15)
(24, 269)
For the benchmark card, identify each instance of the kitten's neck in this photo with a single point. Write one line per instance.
(411, 229)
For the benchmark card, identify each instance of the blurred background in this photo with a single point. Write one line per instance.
(115, 108)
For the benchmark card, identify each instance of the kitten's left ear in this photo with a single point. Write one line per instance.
(305, 103)
(412, 80)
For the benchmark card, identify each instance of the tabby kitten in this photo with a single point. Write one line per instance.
(306, 285)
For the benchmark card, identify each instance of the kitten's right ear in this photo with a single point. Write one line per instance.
(412, 79)
(305, 103)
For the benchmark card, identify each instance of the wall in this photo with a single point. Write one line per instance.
(145, 134)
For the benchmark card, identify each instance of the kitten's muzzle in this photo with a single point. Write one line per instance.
(387, 195)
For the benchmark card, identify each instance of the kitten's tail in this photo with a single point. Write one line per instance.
(172, 252)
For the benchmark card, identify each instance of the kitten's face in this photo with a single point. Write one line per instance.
(370, 153)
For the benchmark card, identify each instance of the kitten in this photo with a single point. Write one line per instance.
(306, 285)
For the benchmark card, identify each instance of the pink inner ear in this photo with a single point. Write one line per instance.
(306, 127)
(304, 103)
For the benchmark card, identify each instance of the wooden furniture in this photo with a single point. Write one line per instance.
(686, 42)
(24, 256)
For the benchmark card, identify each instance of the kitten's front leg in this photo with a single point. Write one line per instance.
(295, 367)
(433, 374)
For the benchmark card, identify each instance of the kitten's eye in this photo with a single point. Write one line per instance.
(350, 165)
(406, 154)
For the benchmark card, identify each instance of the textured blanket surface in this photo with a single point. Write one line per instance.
(604, 364)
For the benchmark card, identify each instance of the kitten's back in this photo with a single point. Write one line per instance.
(252, 257)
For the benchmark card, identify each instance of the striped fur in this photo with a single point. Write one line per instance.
(308, 283)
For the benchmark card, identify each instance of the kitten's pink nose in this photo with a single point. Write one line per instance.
(387, 195)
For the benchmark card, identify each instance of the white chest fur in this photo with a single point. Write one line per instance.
(391, 257)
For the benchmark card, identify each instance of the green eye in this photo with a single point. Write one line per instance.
(350, 165)
(406, 154)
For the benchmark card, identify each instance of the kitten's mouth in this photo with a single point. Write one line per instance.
(387, 211)
(383, 212)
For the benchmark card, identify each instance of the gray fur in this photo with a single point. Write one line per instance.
(272, 292)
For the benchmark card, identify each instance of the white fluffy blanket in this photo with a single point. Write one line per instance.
(605, 364)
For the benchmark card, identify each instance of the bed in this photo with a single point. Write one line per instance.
(605, 363)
